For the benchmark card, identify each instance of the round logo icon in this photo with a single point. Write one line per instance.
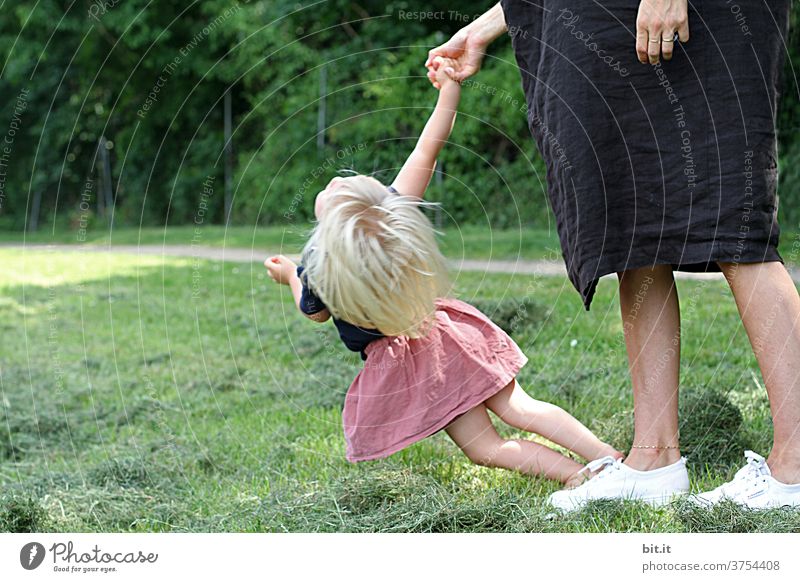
(31, 555)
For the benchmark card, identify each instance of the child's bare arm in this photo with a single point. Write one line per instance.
(297, 291)
(282, 270)
(415, 175)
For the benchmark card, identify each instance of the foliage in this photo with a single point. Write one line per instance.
(152, 81)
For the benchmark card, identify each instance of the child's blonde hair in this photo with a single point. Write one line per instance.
(373, 259)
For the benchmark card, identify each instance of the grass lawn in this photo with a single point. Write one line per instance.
(151, 394)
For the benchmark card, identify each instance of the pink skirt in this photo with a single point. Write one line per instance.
(412, 388)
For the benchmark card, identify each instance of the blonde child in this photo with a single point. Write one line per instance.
(432, 362)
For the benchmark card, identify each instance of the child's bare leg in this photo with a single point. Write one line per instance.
(474, 434)
(516, 408)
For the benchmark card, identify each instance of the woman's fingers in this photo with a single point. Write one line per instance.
(683, 31)
(457, 49)
(656, 25)
(432, 54)
(641, 44)
(667, 44)
(676, 29)
(653, 45)
(466, 70)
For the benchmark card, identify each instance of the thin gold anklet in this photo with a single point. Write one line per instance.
(655, 447)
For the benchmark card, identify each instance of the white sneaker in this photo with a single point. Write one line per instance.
(618, 481)
(754, 487)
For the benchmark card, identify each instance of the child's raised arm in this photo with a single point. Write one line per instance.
(416, 173)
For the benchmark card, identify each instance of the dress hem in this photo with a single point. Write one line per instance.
(698, 261)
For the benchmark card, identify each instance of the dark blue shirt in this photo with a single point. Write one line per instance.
(354, 337)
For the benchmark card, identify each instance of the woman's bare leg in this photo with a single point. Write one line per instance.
(474, 434)
(651, 323)
(516, 408)
(770, 308)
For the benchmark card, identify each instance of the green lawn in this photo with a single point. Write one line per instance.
(138, 393)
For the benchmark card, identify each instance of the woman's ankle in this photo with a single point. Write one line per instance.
(784, 466)
(650, 459)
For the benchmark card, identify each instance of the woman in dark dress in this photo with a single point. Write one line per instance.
(661, 155)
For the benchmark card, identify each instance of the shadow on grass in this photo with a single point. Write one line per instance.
(511, 315)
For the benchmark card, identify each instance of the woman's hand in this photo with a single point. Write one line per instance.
(465, 48)
(281, 269)
(468, 46)
(656, 25)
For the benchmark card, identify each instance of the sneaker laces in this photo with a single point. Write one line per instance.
(608, 461)
(753, 473)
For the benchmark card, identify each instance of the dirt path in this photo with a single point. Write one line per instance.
(243, 255)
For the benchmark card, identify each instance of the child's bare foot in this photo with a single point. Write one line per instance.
(612, 452)
(576, 480)
(606, 450)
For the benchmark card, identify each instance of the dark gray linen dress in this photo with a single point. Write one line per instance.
(674, 163)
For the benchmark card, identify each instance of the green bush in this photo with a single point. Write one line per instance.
(99, 74)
